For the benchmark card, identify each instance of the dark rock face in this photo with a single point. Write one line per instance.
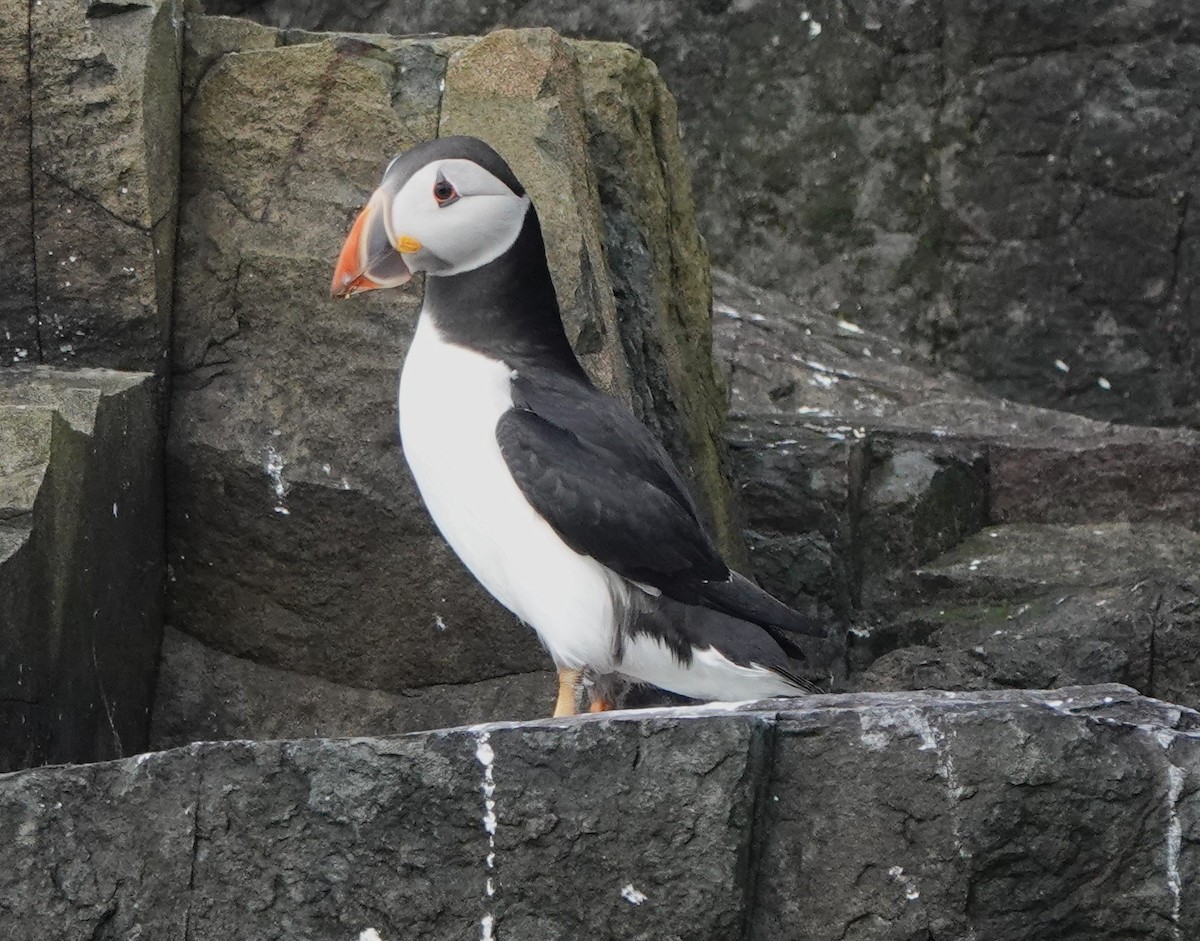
(1034, 606)
(867, 477)
(89, 138)
(876, 817)
(18, 283)
(205, 695)
(1005, 184)
(81, 563)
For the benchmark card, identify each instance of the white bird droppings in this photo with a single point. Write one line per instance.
(273, 467)
(1061, 366)
(370, 934)
(1104, 384)
(486, 756)
(632, 895)
(911, 892)
(1174, 839)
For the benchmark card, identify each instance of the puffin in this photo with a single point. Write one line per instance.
(557, 499)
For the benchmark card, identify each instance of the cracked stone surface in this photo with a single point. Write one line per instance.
(90, 142)
(1006, 185)
(1041, 605)
(297, 540)
(883, 816)
(81, 563)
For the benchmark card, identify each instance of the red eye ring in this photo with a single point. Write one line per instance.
(444, 192)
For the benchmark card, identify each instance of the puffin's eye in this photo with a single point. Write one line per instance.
(444, 192)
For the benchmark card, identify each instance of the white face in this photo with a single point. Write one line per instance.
(460, 215)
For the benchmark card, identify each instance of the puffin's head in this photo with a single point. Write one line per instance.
(447, 206)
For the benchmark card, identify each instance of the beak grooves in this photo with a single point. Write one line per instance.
(368, 260)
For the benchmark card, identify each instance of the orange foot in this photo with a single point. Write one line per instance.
(568, 690)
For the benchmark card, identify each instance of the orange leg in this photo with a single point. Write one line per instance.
(600, 704)
(568, 690)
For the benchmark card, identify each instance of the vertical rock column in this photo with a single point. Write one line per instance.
(95, 149)
(89, 132)
(18, 308)
(81, 563)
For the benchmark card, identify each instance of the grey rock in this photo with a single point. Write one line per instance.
(987, 810)
(81, 563)
(1034, 606)
(1004, 185)
(203, 695)
(1019, 560)
(18, 288)
(1121, 473)
(840, 431)
(91, 143)
(842, 438)
(918, 502)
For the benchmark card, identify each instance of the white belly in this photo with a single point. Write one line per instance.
(450, 401)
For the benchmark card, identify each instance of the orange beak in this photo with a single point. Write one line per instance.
(367, 260)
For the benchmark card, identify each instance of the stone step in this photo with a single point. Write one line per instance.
(843, 433)
(880, 816)
(1038, 605)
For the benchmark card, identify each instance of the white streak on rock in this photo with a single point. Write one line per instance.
(632, 895)
(369, 935)
(273, 467)
(486, 756)
(876, 729)
(1174, 841)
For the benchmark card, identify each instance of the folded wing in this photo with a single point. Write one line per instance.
(611, 492)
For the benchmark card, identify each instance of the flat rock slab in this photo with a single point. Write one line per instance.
(1014, 562)
(885, 816)
(1034, 606)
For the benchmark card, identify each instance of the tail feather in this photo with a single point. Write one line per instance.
(741, 598)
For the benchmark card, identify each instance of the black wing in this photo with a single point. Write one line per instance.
(605, 485)
(611, 492)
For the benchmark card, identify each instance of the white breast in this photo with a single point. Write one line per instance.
(450, 401)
